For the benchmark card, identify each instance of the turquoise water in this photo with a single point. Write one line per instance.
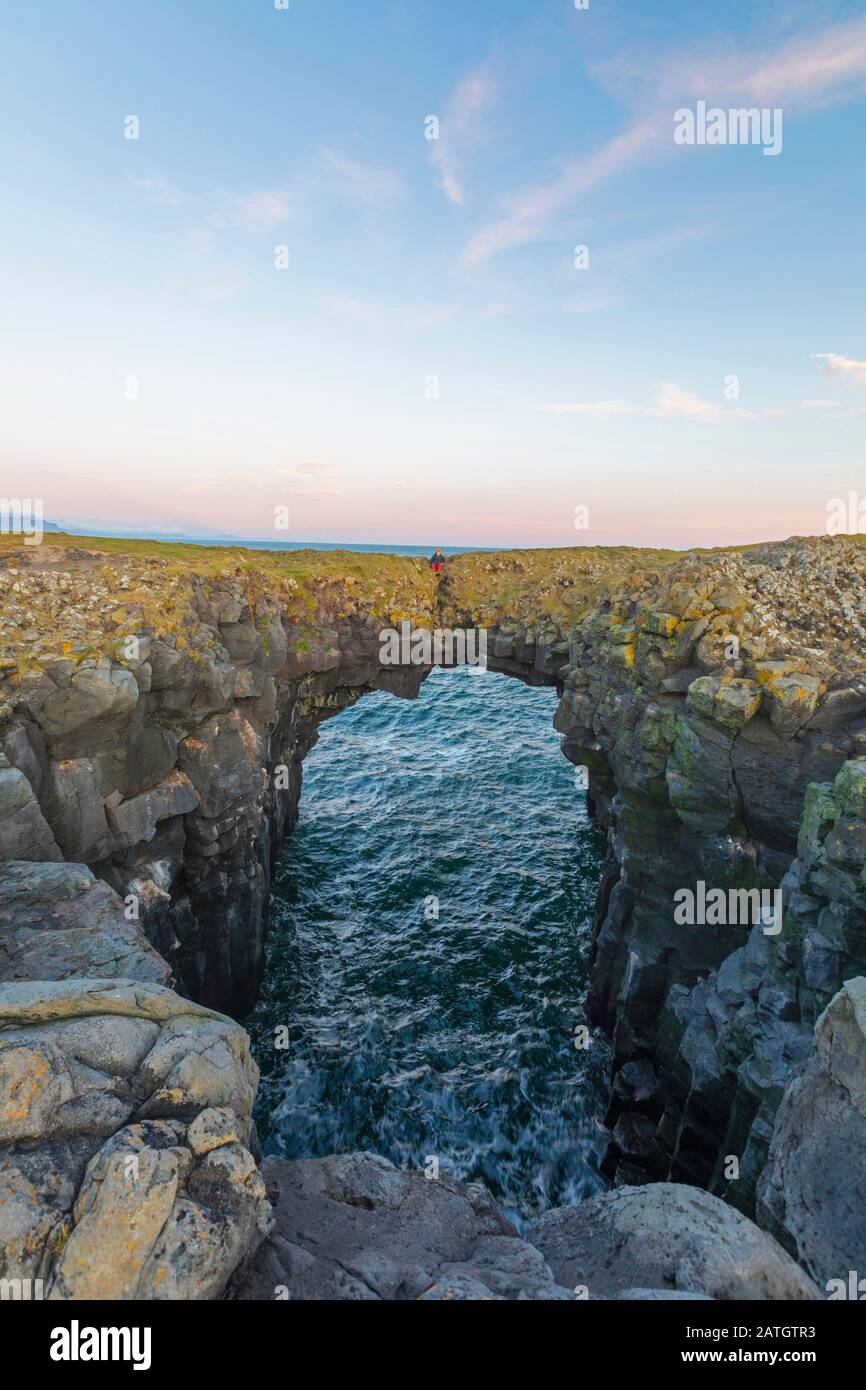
(415, 1035)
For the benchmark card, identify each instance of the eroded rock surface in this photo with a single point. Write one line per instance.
(125, 1122)
(719, 707)
(59, 922)
(154, 717)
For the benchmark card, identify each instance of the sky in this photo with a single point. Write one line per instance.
(282, 309)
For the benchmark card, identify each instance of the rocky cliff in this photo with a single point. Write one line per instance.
(155, 706)
(154, 713)
(720, 707)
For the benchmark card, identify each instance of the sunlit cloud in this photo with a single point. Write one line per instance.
(304, 470)
(843, 366)
(527, 213)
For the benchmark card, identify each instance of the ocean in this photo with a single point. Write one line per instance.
(427, 953)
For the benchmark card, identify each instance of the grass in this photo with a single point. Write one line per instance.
(544, 590)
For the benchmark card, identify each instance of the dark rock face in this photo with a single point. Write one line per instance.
(176, 780)
(743, 773)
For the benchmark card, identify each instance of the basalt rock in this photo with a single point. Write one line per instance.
(170, 763)
(719, 709)
(59, 922)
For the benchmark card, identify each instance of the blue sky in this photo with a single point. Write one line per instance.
(432, 367)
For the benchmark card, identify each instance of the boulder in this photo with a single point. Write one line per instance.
(124, 1125)
(666, 1236)
(731, 703)
(354, 1227)
(96, 699)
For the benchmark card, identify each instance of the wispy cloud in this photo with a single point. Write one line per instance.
(376, 317)
(364, 313)
(527, 214)
(461, 127)
(814, 69)
(321, 494)
(305, 470)
(159, 190)
(806, 72)
(361, 182)
(260, 207)
(671, 402)
(263, 209)
(601, 408)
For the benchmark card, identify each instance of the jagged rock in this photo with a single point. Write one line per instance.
(124, 1120)
(729, 703)
(665, 1237)
(812, 1193)
(136, 819)
(24, 831)
(355, 1227)
(57, 922)
(93, 701)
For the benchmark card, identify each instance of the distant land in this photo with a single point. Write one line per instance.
(206, 538)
